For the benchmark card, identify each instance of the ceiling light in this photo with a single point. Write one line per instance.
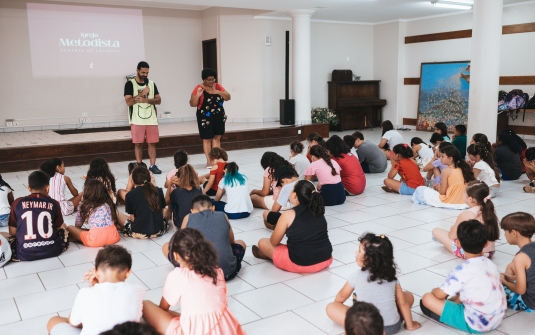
(451, 4)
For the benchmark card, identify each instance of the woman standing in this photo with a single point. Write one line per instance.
(208, 97)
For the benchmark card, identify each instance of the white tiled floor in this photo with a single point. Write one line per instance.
(265, 299)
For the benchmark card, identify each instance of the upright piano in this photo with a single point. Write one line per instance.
(352, 101)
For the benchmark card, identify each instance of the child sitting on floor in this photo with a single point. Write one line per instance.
(36, 222)
(121, 194)
(450, 192)
(198, 284)
(215, 228)
(6, 200)
(442, 130)
(353, 178)
(55, 169)
(529, 164)
(99, 211)
(519, 277)
(459, 139)
(219, 158)
(180, 159)
(371, 157)
(286, 177)
(477, 301)
(108, 300)
(179, 199)
(376, 282)
(363, 319)
(423, 153)
(297, 159)
(481, 209)
(328, 173)
(234, 185)
(312, 140)
(408, 170)
(308, 248)
(435, 167)
(484, 168)
(146, 206)
(100, 170)
(268, 195)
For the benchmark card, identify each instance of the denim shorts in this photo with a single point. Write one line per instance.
(4, 220)
(404, 189)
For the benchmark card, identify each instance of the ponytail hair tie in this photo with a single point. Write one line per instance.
(405, 145)
(314, 191)
(487, 198)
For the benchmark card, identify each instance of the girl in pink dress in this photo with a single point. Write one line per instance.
(198, 284)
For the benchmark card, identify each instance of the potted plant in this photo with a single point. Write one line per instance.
(324, 115)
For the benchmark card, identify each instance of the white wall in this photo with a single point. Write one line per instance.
(172, 48)
(516, 56)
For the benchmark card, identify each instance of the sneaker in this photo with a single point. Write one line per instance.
(154, 169)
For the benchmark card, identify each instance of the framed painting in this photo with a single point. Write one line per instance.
(444, 89)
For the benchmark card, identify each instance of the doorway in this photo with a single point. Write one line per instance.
(209, 54)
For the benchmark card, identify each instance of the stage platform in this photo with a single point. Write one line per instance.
(28, 150)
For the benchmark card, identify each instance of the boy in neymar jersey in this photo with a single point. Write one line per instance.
(36, 222)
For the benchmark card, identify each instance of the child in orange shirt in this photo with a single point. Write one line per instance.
(219, 157)
(406, 167)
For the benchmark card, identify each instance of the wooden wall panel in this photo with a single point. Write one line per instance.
(411, 81)
(519, 28)
(517, 80)
(15, 159)
(449, 35)
(409, 121)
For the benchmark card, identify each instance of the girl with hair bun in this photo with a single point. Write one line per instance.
(481, 208)
(450, 192)
(408, 170)
(146, 206)
(198, 284)
(375, 282)
(328, 173)
(297, 159)
(308, 248)
(485, 168)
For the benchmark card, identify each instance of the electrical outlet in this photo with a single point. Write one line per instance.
(9, 124)
(87, 119)
(299, 132)
(84, 114)
(16, 124)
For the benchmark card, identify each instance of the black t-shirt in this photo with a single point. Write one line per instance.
(508, 162)
(129, 88)
(308, 241)
(145, 221)
(181, 200)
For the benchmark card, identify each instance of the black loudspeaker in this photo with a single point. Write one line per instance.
(287, 112)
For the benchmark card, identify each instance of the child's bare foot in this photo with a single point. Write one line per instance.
(388, 189)
(415, 325)
(258, 253)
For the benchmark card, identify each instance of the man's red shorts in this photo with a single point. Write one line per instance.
(140, 133)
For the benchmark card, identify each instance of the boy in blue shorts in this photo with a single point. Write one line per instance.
(36, 224)
(477, 301)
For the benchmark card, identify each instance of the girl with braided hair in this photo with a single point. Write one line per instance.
(408, 170)
(485, 169)
(328, 173)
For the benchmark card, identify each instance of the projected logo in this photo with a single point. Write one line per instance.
(69, 41)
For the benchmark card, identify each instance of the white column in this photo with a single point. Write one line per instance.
(301, 64)
(485, 68)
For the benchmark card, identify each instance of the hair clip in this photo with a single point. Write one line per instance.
(381, 236)
(314, 191)
(487, 198)
(405, 145)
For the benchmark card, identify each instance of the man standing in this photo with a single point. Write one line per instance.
(142, 96)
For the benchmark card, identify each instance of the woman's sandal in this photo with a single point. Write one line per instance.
(258, 253)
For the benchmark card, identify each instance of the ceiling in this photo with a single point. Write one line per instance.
(369, 11)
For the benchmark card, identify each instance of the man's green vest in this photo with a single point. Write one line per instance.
(143, 114)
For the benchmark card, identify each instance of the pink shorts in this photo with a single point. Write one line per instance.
(281, 259)
(139, 133)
